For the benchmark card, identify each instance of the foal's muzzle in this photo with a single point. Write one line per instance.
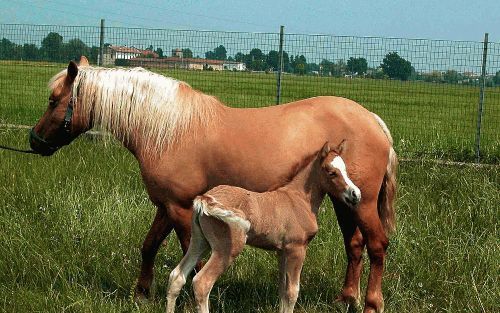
(352, 197)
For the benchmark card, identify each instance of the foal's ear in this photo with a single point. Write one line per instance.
(83, 61)
(340, 147)
(72, 72)
(325, 150)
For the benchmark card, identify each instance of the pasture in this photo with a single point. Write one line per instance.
(427, 119)
(71, 226)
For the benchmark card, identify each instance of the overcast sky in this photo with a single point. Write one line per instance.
(441, 19)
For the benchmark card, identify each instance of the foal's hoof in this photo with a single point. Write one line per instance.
(141, 295)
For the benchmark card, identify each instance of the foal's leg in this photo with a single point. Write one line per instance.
(177, 279)
(161, 227)
(354, 245)
(376, 243)
(291, 261)
(226, 244)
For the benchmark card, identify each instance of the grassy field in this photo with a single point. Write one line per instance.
(71, 227)
(427, 120)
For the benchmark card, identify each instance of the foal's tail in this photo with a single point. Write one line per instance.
(207, 205)
(387, 194)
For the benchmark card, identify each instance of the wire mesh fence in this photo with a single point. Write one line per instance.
(426, 90)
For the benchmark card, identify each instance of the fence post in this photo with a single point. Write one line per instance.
(482, 83)
(101, 45)
(280, 65)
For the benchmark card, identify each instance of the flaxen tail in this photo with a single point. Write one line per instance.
(387, 194)
(207, 205)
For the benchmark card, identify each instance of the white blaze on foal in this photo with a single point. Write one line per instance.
(352, 195)
(226, 218)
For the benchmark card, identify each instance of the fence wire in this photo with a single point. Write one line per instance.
(426, 90)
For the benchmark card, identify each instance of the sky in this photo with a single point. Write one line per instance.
(442, 19)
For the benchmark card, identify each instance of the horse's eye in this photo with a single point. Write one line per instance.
(332, 174)
(52, 102)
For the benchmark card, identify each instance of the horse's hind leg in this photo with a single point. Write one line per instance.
(354, 245)
(161, 227)
(226, 243)
(177, 279)
(376, 243)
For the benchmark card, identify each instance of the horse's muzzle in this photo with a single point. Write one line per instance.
(42, 146)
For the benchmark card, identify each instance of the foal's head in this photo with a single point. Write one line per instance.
(338, 184)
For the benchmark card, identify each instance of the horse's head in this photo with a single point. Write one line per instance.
(61, 122)
(338, 183)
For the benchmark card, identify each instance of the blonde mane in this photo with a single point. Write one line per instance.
(140, 107)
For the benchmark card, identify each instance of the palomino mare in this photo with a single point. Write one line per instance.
(187, 142)
(285, 220)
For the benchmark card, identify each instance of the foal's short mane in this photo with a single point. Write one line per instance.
(296, 169)
(135, 104)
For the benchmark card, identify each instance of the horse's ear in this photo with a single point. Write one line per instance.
(325, 150)
(340, 147)
(72, 72)
(83, 61)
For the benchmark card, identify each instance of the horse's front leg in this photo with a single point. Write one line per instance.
(167, 218)
(291, 260)
(161, 227)
(354, 245)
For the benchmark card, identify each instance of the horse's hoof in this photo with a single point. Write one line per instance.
(350, 300)
(353, 304)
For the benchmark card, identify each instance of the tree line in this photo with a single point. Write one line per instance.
(393, 66)
(52, 49)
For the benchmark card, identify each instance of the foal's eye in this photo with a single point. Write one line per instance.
(332, 174)
(52, 102)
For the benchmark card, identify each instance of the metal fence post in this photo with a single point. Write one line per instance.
(280, 66)
(481, 99)
(101, 45)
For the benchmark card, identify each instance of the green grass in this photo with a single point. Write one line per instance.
(71, 227)
(427, 119)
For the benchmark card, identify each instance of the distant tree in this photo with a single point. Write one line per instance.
(159, 51)
(451, 76)
(496, 79)
(357, 65)
(376, 73)
(187, 53)
(325, 67)
(272, 60)
(433, 77)
(9, 50)
(52, 47)
(239, 57)
(30, 52)
(219, 53)
(339, 69)
(256, 60)
(312, 67)
(397, 67)
(94, 54)
(74, 49)
(299, 64)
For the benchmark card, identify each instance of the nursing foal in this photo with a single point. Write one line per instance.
(226, 218)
